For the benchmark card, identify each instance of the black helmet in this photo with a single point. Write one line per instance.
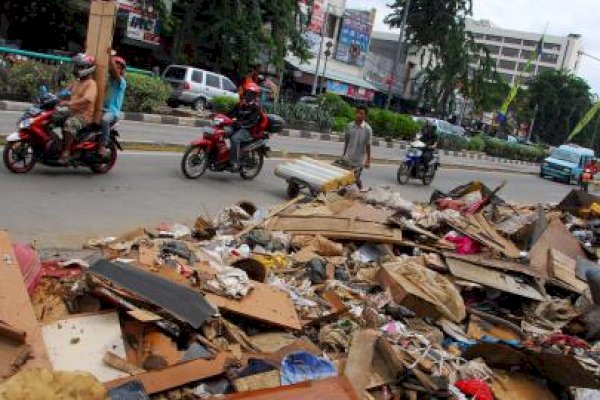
(83, 65)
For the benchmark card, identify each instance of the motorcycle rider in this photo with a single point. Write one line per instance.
(113, 100)
(248, 114)
(429, 137)
(80, 108)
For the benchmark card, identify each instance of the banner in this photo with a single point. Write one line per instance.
(143, 28)
(355, 37)
(587, 118)
(337, 88)
(355, 92)
(319, 13)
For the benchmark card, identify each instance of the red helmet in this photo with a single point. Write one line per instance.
(251, 87)
(120, 61)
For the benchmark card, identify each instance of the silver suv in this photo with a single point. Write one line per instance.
(196, 87)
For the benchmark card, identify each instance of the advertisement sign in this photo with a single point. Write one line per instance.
(319, 13)
(313, 40)
(337, 88)
(143, 28)
(355, 37)
(354, 92)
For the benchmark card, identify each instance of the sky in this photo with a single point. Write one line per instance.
(563, 17)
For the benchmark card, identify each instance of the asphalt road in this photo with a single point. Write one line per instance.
(145, 132)
(60, 208)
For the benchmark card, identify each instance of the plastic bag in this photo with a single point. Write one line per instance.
(302, 366)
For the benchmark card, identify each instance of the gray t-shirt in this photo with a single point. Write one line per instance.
(357, 138)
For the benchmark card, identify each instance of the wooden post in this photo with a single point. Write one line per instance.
(100, 31)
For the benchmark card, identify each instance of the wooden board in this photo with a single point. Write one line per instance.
(176, 375)
(336, 228)
(15, 306)
(496, 264)
(558, 237)
(360, 355)
(80, 343)
(265, 380)
(516, 385)
(99, 38)
(264, 303)
(563, 268)
(330, 389)
(492, 278)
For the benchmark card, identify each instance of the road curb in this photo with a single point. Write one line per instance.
(178, 148)
(291, 133)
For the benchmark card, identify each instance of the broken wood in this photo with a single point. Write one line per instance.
(176, 375)
(556, 236)
(360, 358)
(121, 364)
(264, 380)
(15, 305)
(331, 389)
(564, 268)
(276, 211)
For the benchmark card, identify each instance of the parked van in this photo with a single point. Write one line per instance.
(196, 87)
(566, 163)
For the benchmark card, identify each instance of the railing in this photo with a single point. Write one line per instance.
(6, 52)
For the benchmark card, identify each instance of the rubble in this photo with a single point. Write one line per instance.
(348, 295)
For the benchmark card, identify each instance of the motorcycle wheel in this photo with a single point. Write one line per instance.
(194, 162)
(108, 162)
(251, 165)
(19, 157)
(404, 173)
(428, 178)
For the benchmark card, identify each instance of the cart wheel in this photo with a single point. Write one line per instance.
(293, 190)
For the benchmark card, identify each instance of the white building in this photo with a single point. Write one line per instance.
(511, 50)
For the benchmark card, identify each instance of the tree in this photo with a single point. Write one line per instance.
(450, 57)
(233, 34)
(561, 99)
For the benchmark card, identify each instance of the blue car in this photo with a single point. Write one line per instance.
(566, 163)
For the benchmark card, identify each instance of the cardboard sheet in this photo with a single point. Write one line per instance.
(557, 237)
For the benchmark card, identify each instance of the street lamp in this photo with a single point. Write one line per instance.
(327, 55)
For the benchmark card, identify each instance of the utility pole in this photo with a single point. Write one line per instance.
(398, 53)
(323, 30)
(535, 110)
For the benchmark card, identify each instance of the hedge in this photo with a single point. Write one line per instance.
(222, 104)
(21, 82)
(501, 148)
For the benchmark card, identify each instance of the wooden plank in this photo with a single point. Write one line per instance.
(265, 380)
(80, 343)
(563, 268)
(495, 264)
(100, 31)
(333, 227)
(276, 211)
(331, 389)
(360, 357)
(264, 303)
(15, 306)
(176, 375)
(558, 237)
(495, 279)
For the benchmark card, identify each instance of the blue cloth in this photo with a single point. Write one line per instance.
(115, 93)
(302, 366)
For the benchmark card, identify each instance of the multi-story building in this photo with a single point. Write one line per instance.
(511, 50)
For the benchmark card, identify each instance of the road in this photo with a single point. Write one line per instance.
(60, 208)
(145, 132)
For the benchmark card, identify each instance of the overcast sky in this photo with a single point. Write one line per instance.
(563, 17)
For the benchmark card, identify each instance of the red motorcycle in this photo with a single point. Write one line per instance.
(210, 151)
(38, 141)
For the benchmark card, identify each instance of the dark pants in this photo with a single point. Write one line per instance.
(427, 157)
(237, 139)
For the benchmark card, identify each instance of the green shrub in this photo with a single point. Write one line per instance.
(476, 143)
(452, 142)
(302, 114)
(336, 106)
(392, 125)
(145, 93)
(223, 104)
(340, 123)
(501, 148)
(23, 80)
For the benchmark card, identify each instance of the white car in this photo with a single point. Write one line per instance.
(443, 127)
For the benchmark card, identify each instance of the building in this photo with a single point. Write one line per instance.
(511, 49)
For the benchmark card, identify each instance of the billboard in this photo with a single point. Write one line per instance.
(355, 37)
(354, 92)
(143, 28)
(319, 14)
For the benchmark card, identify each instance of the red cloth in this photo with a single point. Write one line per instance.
(30, 265)
(464, 244)
(476, 388)
(567, 340)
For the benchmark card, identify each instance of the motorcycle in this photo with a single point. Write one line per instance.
(37, 140)
(210, 151)
(413, 166)
(587, 176)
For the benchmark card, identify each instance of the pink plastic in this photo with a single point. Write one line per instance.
(29, 262)
(464, 244)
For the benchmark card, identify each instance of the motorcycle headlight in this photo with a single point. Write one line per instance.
(216, 122)
(24, 123)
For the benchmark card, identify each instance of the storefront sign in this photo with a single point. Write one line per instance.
(355, 37)
(355, 92)
(337, 88)
(313, 40)
(143, 28)
(319, 14)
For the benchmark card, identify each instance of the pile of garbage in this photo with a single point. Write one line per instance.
(349, 295)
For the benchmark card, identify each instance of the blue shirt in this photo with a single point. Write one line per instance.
(115, 93)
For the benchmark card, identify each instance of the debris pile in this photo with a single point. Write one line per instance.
(349, 295)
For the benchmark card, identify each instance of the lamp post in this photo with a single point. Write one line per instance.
(327, 55)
